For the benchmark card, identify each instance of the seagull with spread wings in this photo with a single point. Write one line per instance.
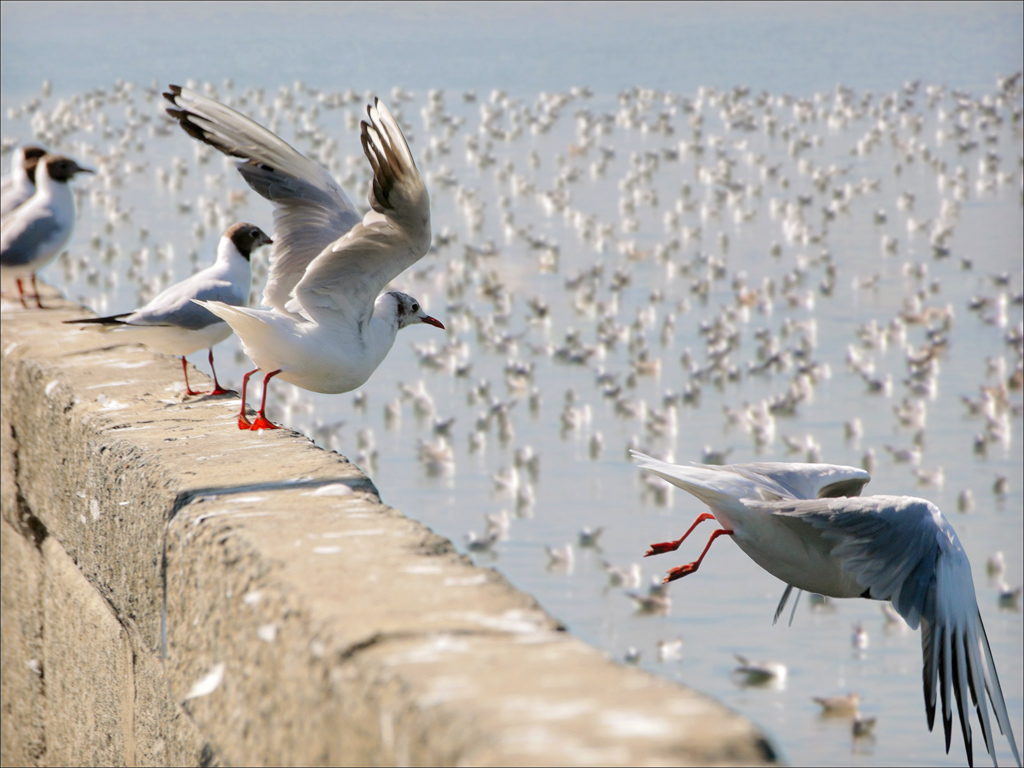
(807, 525)
(328, 326)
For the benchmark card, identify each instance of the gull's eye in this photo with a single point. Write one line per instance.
(415, 307)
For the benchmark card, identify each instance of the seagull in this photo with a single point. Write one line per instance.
(20, 184)
(328, 326)
(806, 525)
(863, 726)
(670, 650)
(171, 323)
(839, 706)
(36, 231)
(588, 537)
(765, 480)
(761, 672)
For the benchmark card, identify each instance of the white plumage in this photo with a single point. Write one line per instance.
(806, 525)
(34, 233)
(173, 323)
(328, 326)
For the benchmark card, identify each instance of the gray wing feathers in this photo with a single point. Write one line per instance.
(397, 190)
(310, 210)
(851, 486)
(303, 229)
(888, 552)
(804, 481)
(995, 692)
(901, 548)
(22, 239)
(347, 277)
(236, 135)
(951, 649)
(958, 659)
(175, 307)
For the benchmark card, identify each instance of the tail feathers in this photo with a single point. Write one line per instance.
(241, 319)
(109, 320)
(711, 485)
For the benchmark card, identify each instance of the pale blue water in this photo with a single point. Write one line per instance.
(778, 48)
(524, 47)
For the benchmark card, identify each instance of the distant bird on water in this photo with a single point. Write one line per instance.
(329, 325)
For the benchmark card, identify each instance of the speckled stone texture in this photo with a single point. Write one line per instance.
(176, 591)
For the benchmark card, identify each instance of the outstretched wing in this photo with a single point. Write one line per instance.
(347, 277)
(804, 481)
(766, 481)
(903, 549)
(311, 210)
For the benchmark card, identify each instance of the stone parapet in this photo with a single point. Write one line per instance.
(178, 592)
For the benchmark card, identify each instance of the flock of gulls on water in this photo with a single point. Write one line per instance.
(327, 321)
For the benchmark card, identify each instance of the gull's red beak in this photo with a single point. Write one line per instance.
(432, 321)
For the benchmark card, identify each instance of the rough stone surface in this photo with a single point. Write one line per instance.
(89, 685)
(23, 719)
(164, 733)
(239, 598)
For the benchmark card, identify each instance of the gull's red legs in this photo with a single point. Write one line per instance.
(21, 292)
(685, 570)
(188, 389)
(672, 546)
(261, 419)
(243, 422)
(217, 389)
(35, 290)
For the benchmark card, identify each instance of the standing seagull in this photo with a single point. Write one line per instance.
(800, 523)
(34, 233)
(20, 184)
(329, 325)
(171, 323)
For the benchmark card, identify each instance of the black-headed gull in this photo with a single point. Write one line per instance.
(805, 524)
(20, 184)
(755, 673)
(35, 232)
(329, 325)
(173, 324)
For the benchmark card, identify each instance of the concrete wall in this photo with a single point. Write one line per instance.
(176, 591)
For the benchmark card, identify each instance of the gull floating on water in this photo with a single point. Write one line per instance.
(761, 672)
(329, 325)
(839, 706)
(863, 727)
(804, 524)
(173, 324)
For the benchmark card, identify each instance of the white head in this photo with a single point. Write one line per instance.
(409, 311)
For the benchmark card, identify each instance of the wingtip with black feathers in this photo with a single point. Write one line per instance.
(387, 170)
(173, 92)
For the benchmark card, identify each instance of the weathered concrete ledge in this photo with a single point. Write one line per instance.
(178, 592)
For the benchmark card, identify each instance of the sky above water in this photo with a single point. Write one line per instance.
(780, 46)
